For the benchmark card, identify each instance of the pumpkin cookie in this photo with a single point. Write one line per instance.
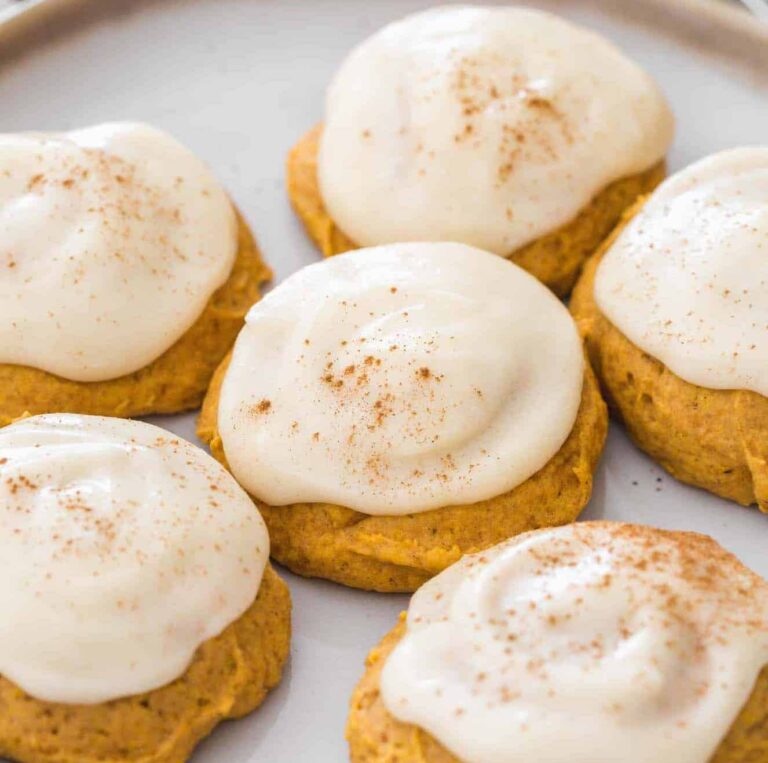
(394, 408)
(508, 129)
(125, 273)
(591, 643)
(139, 608)
(674, 312)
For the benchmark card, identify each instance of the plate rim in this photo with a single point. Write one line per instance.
(687, 15)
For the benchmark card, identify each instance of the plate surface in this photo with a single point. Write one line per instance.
(239, 81)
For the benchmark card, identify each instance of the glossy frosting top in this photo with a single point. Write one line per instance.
(398, 379)
(488, 126)
(112, 240)
(590, 643)
(122, 549)
(687, 279)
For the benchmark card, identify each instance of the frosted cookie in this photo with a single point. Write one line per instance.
(394, 408)
(593, 643)
(508, 129)
(125, 273)
(674, 309)
(139, 608)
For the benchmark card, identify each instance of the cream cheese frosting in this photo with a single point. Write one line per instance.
(687, 279)
(590, 643)
(122, 549)
(488, 126)
(399, 379)
(112, 240)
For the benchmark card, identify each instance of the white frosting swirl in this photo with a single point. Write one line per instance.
(112, 240)
(489, 126)
(591, 643)
(399, 379)
(687, 279)
(122, 549)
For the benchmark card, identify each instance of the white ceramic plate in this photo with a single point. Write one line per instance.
(239, 81)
